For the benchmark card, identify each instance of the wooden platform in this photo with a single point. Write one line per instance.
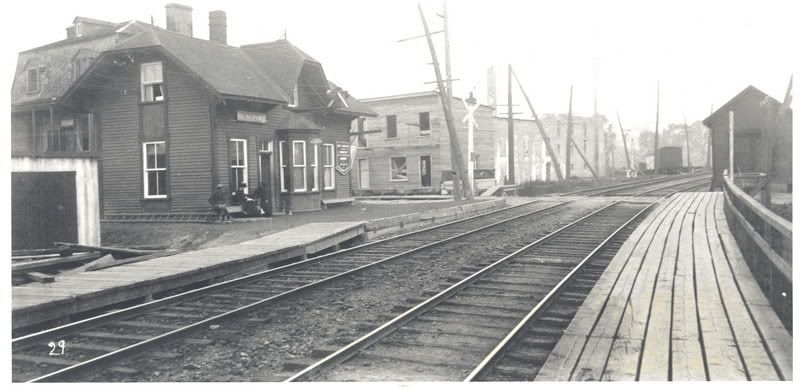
(677, 302)
(34, 303)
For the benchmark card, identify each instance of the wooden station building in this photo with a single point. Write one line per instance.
(762, 139)
(129, 118)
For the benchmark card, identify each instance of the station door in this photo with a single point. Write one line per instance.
(43, 209)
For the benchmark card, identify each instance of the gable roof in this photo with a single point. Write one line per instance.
(226, 69)
(749, 90)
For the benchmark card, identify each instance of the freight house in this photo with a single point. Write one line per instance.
(146, 121)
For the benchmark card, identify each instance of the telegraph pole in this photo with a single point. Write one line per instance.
(655, 141)
(567, 154)
(510, 131)
(624, 142)
(448, 116)
(545, 138)
(449, 83)
(596, 129)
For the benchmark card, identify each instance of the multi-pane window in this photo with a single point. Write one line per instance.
(237, 153)
(315, 168)
(152, 82)
(72, 135)
(424, 123)
(327, 166)
(299, 172)
(399, 171)
(391, 126)
(33, 80)
(79, 65)
(154, 155)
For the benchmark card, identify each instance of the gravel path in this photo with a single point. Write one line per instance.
(278, 340)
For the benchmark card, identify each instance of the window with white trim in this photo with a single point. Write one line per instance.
(399, 171)
(327, 165)
(33, 80)
(237, 153)
(315, 169)
(299, 169)
(154, 156)
(284, 171)
(152, 82)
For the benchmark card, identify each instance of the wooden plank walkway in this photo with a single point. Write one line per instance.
(677, 302)
(69, 294)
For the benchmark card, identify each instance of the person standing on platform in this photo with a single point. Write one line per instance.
(217, 201)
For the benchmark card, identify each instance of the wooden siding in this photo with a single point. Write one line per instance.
(189, 137)
(121, 155)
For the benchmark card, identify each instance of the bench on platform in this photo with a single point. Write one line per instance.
(234, 209)
(336, 201)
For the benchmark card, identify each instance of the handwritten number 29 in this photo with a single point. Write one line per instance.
(54, 346)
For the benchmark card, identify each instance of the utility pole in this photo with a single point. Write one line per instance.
(686, 132)
(731, 134)
(456, 182)
(448, 116)
(655, 141)
(624, 142)
(588, 164)
(567, 154)
(510, 131)
(545, 138)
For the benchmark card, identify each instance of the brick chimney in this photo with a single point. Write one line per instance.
(179, 18)
(217, 27)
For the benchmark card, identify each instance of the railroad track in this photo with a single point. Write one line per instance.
(524, 350)
(662, 188)
(102, 340)
(449, 330)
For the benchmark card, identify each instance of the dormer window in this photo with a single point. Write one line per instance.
(33, 80)
(152, 82)
(295, 97)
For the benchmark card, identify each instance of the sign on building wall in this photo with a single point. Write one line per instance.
(344, 160)
(252, 117)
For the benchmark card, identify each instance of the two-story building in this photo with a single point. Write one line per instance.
(407, 146)
(147, 121)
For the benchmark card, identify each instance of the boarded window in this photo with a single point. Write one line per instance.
(155, 169)
(152, 82)
(424, 123)
(327, 166)
(399, 171)
(391, 126)
(153, 123)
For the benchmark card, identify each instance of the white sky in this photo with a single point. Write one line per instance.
(703, 52)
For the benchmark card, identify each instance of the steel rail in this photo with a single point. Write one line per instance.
(387, 328)
(498, 352)
(631, 184)
(137, 347)
(44, 335)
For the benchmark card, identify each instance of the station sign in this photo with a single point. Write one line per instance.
(344, 161)
(251, 117)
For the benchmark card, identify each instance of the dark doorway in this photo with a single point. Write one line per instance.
(425, 170)
(265, 174)
(43, 209)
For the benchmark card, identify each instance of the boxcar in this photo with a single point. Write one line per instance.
(670, 159)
